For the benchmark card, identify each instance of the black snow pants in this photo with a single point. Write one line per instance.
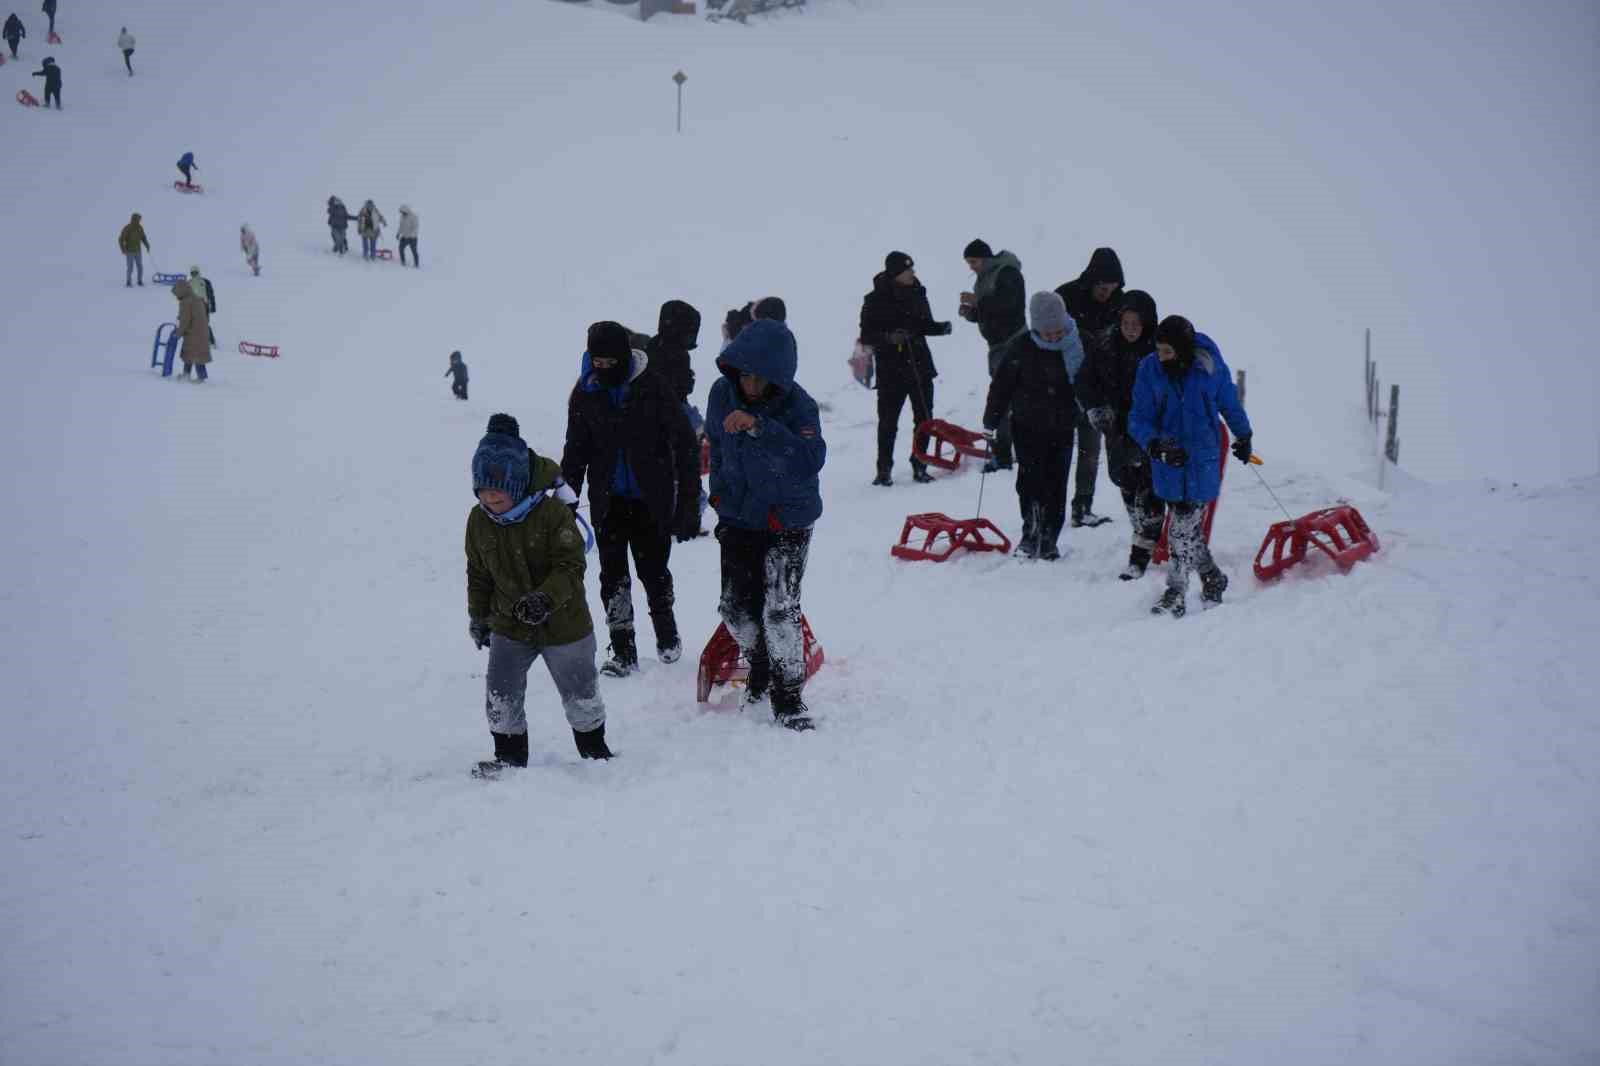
(459, 388)
(127, 59)
(409, 242)
(12, 41)
(893, 392)
(761, 575)
(1042, 460)
(629, 527)
(1130, 472)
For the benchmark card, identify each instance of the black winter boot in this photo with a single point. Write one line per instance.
(1213, 583)
(669, 649)
(510, 749)
(624, 657)
(920, 475)
(592, 745)
(883, 479)
(1171, 602)
(1138, 562)
(790, 711)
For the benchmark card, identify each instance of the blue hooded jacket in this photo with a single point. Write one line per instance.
(768, 478)
(1186, 411)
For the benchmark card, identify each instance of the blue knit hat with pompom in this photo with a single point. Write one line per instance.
(501, 461)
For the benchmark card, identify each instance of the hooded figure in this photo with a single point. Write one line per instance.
(406, 232)
(457, 370)
(896, 323)
(767, 453)
(126, 43)
(187, 166)
(369, 224)
(130, 242)
(677, 334)
(1094, 299)
(194, 326)
(52, 81)
(339, 224)
(251, 250)
(13, 33)
(996, 303)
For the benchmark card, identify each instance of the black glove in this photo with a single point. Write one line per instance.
(1169, 452)
(534, 609)
(478, 629)
(1241, 449)
(939, 329)
(688, 521)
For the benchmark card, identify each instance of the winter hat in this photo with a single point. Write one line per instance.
(610, 340)
(455, 357)
(978, 249)
(137, 216)
(1104, 266)
(770, 307)
(1047, 312)
(897, 263)
(194, 272)
(1179, 333)
(680, 322)
(501, 461)
(735, 322)
(405, 209)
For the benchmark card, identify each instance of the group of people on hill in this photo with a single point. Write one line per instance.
(14, 32)
(632, 438)
(1086, 361)
(370, 223)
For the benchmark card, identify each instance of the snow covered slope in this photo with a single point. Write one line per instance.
(1338, 820)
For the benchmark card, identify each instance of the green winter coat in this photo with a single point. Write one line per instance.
(542, 553)
(132, 236)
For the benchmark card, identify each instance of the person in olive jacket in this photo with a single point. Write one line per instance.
(1032, 383)
(628, 434)
(133, 244)
(896, 323)
(525, 595)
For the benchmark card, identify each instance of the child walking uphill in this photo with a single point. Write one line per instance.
(525, 595)
(458, 370)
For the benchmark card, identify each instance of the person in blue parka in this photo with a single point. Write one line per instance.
(187, 166)
(767, 453)
(1178, 393)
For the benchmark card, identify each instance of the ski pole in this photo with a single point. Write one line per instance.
(1255, 461)
(984, 476)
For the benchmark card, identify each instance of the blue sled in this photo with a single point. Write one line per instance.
(168, 279)
(170, 342)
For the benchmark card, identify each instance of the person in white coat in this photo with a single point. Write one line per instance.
(251, 250)
(407, 232)
(126, 43)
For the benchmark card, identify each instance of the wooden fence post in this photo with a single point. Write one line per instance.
(1392, 447)
(1240, 386)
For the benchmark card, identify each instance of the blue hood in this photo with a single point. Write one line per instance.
(765, 347)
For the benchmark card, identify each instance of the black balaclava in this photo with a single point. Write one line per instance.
(611, 339)
(1177, 331)
(679, 323)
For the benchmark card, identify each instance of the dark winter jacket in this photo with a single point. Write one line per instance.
(1185, 409)
(1109, 372)
(132, 237)
(52, 77)
(338, 215)
(1031, 381)
(1001, 307)
(677, 334)
(635, 437)
(767, 478)
(541, 553)
(13, 30)
(458, 370)
(889, 308)
(1095, 320)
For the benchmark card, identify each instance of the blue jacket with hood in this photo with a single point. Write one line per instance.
(1186, 410)
(766, 478)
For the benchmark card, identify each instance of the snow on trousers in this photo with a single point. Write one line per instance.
(1186, 540)
(761, 575)
(572, 669)
(1146, 510)
(629, 527)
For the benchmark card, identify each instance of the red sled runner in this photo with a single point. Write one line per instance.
(187, 187)
(968, 533)
(27, 99)
(939, 433)
(269, 351)
(1339, 532)
(722, 664)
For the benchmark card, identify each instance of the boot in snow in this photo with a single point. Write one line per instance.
(671, 653)
(624, 657)
(1083, 516)
(883, 478)
(919, 474)
(1171, 602)
(510, 749)
(1138, 562)
(669, 649)
(1212, 585)
(592, 745)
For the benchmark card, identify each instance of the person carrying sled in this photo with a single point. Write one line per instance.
(13, 33)
(1105, 391)
(51, 73)
(996, 305)
(896, 323)
(627, 433)
(250, 248)
(131, 240)
(407, 234)
(1177, 395)
(525, 595)
(458, 371)
(126, 44)
(1032, 383)
(339, 224)
(767, 454)
(1094, 301)
(369, 224)
(194, 326)
(187, 166)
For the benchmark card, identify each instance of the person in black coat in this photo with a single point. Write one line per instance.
(339, 224)
(896, 323)
(677, 334)
(13, 33)
(628, 434)
(996, 304)
(1032, 383)
(49, 9)
(51, 74)
(1094, 300)
(1105, 391)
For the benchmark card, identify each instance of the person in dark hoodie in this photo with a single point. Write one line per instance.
(339, 224)
(767, 454)
(525, 596)
(458, 370)
(13, 33)
(1032, 383)
(896, 323)
(677, 334)
(51, 73)
(1094, 300)
(1105, 391)
(996, 304)
(628, 434)
(1177, 395)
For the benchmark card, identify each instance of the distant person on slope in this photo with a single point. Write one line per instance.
(628, 434)
(525, 596)
(996, 304)
(205, 290)
(250, 248)
(369, 224)
(52, 81)
(130, 241)
(49, 8)
(1105, 391)
(407, 233)
(339, 224)
(187, 166)
(194, 326)
(1094, 300)
(1177, 395)
(896, 323)
(13, 33)
(767, 454)
(126, 43)
(1032, 384)
(457, 370)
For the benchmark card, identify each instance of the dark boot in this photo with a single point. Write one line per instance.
(1171, 602)
(883, 477)
(919, 474)
(1083, 514)
(669, 649)
(1138, 562)
(760, 679)
(592, 745)
(789, 710)
(1213, 583)
(509, 750)
(624, 657)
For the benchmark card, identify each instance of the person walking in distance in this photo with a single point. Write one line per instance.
(194, 326)
(996, 304)
(369, 224)
(458, 371)
(339, 225)
(49, 9)
(896, 323)
(51, 73)
(407, 233)
(250, 248)
(13, 33)
(126, 44)
(187, 166)
(133, 244)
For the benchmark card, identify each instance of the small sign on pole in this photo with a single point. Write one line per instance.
(679, 78)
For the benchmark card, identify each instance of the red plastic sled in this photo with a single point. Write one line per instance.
(54, 38)
(968, 533)
(270, 351)
(385, 253)
(722, 664)
(27, 99)
(939, 433)
(1340, 533)
(1161, 553)
(186, 187)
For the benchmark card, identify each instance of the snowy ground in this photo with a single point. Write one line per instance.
(1340, 820)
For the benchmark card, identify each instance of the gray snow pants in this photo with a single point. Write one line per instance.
(571, 667)
(1186, 540)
